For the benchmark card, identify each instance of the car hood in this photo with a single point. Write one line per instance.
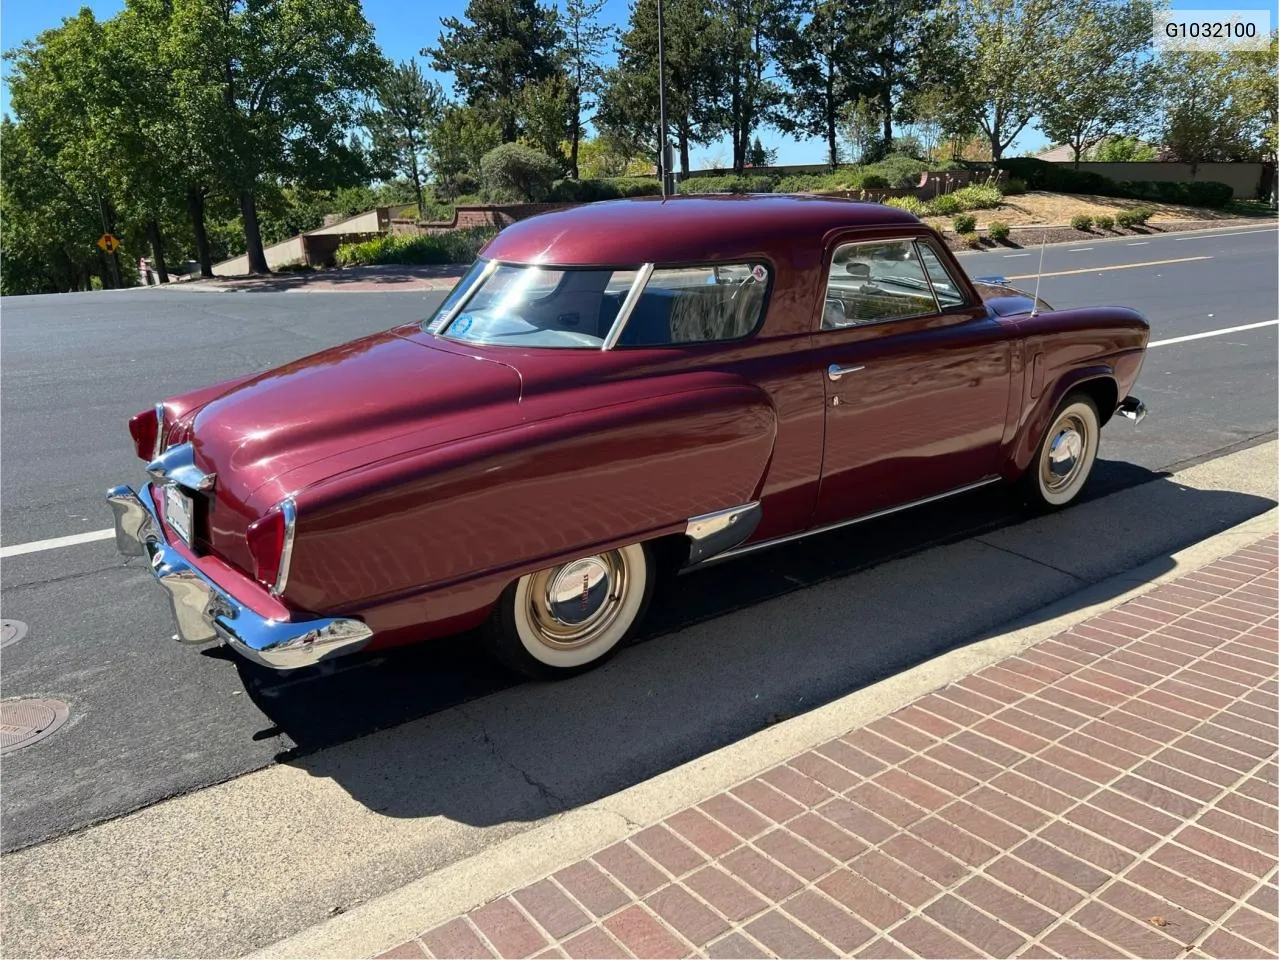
(336, 402)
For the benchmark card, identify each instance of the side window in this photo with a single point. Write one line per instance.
(697, 305)
(949, 293)
(873, 282)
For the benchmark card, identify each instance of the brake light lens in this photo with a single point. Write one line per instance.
(147, 429)
(270, 540)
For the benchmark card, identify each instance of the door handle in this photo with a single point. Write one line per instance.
(835, 371)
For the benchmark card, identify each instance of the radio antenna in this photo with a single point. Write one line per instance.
(1034, 307)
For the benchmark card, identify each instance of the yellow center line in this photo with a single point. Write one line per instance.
(1121, 266)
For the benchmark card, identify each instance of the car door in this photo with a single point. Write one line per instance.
(916, 375)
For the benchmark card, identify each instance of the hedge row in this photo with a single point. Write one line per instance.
(1061, 178)
(453, 246)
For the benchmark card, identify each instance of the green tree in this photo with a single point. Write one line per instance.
(1205, 120)
(455, 146)
(816, 59)
(1000, 56)
(585, 41)
(408, 107)
(1122, 150)
(746, 36)
(895, 40)
(1103, 79)
(271, 90)
(498, 48)
(546, 115)
(609, 156)
(1255, 88)
(859, 127)
(628, 107)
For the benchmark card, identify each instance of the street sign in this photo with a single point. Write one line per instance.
(109, 243)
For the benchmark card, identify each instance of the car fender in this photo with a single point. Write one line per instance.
(527, 496)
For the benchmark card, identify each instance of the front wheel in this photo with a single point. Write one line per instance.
(1065, 456)
(566, 619)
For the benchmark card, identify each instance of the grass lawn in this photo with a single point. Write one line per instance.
(1057, 208)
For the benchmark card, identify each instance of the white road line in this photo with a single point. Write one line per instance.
(1213, 236)
(1143, 243)
(1079, 249)
(1212, 333)
(1009, 256)
(35, 546)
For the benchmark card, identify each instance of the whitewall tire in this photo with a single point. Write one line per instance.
(1066, 454)
(566, 619)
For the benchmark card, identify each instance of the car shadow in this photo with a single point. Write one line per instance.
(718, 660)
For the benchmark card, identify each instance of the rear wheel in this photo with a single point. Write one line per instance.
(566, 619)
(1065, 456)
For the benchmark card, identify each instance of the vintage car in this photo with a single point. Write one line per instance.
(611, 388)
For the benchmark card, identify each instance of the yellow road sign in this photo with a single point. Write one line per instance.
(109, 243)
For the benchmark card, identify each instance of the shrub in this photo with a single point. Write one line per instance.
(978, 197)
(1208, 193)
(1127, 218)
(728, 184)
(452, 246)
(1105, 222)
(971, 239)
(964, 223)
(1012, 187)
(944, 205)
(584, 191)
(899, 169)
(799, 183)
(639, 186)
(1081, 221)
(909, 204)
(516, 173)
(998, 231)
(1142, 214)
(875, 181)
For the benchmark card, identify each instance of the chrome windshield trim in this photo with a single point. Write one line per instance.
(177, 465)
(290, 510)
(458, 307)
(160, 431)
(628, 306)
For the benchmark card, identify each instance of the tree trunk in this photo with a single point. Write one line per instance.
(683, 152)
(195, 210)
(416, 174)
(252, 233)
(576, 138)
(886, 104)
(831, 141)
(157, 249)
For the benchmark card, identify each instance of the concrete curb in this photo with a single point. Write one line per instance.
(395, 917)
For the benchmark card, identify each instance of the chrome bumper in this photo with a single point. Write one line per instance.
(205, 612)
(1133, 409)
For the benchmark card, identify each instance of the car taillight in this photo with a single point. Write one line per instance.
(271, 545)
(147, 429)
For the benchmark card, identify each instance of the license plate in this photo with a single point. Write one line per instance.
(177, 511)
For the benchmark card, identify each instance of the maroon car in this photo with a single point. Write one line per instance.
(610, 388)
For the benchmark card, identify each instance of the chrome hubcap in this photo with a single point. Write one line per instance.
(574, 604)
(1064, 453)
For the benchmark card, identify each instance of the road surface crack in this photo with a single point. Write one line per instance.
(553, 799)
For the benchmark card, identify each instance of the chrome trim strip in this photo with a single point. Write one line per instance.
(778, 541)
(628, 306)
(204, 611)
(458, 307)
(160, 431)
(177, 465)
(713, 533)
(290, 510)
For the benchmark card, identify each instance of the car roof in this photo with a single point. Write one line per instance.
(686, 229)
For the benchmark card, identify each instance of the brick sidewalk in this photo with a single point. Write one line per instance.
(1109, 792)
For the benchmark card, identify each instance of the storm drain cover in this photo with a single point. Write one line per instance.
(11, 631)
(24, 722)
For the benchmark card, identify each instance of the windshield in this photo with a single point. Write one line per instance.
(523, 305)
(542, 307)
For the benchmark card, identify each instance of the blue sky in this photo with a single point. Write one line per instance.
(405, 26)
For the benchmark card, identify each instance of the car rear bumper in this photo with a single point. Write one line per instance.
(204, 611)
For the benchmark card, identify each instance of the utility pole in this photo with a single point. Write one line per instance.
(663, 146)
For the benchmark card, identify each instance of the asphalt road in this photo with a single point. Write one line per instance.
(152, 719)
